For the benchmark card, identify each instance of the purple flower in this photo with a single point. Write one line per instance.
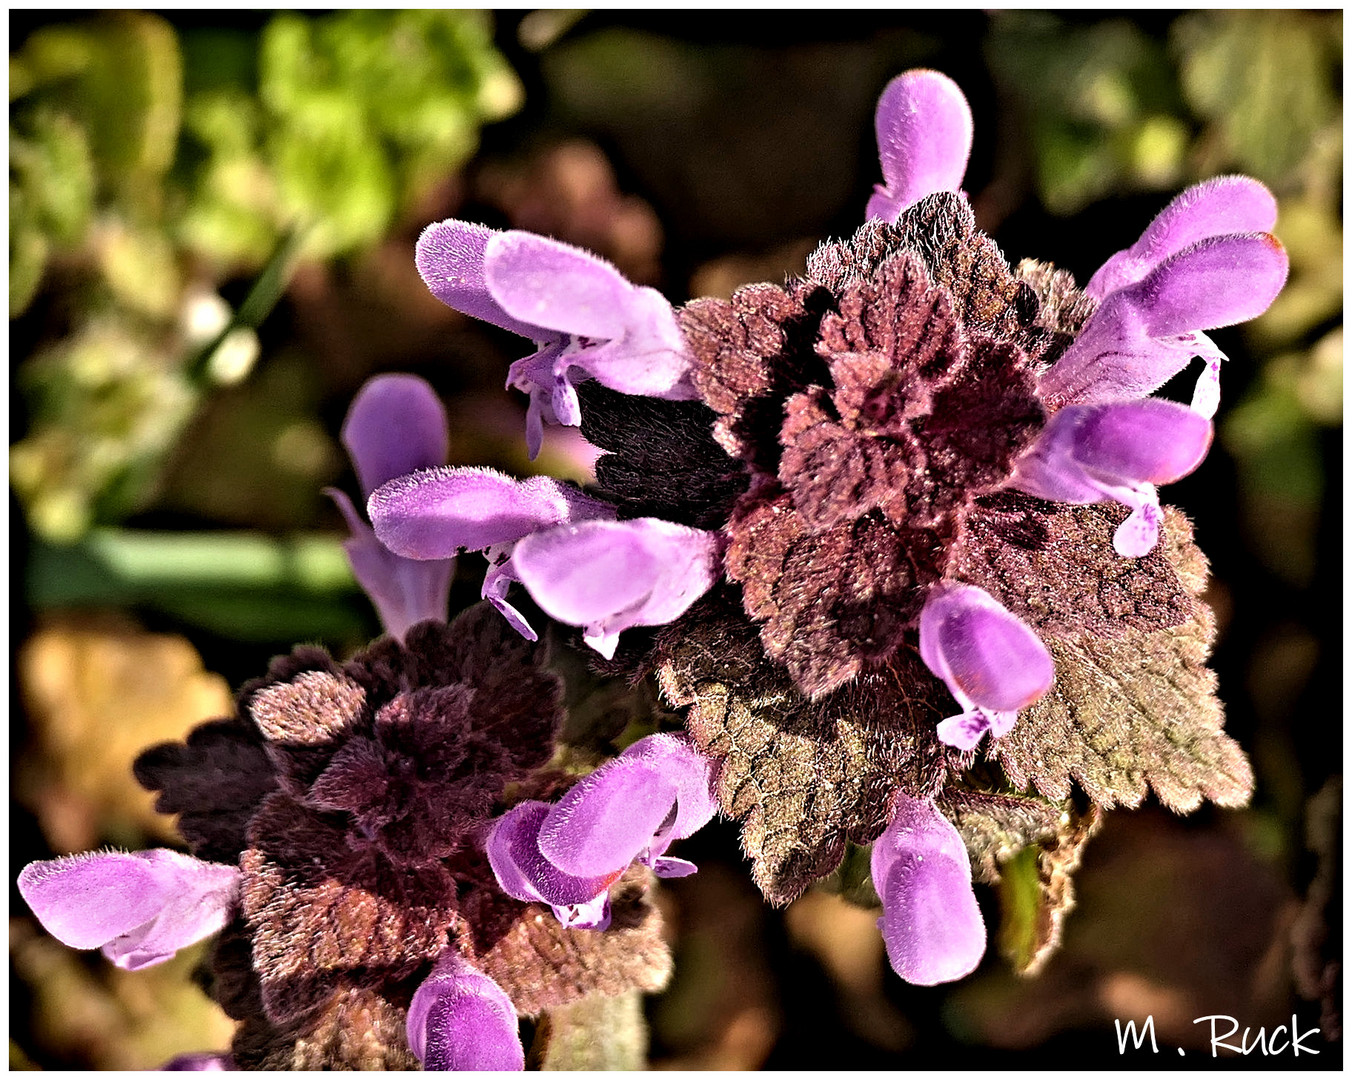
(200, 1063)
(992, 662)
(581, 567)
(924, 131)
(607, 576)
(1206, 261)
(138, 908)
(629, 810)
(1119, 451)
(433, 513)
(931, 923)
(461, 1020)
(396, 424)
(587, 319)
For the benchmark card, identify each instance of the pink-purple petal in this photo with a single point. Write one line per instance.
(138, 908)
(1087, 450)
(395, 425)
(692, 773)
(1144, 334)
(546, 283)
(461, 1020)
(608, 819)
(203, 1062)
(404, 591)
(985, 654)
(607, 576)
(434, 513)
(924, 128)
(1216, 282)
(1218, 207)
(450, 258)
(525, 874)
(931, 922)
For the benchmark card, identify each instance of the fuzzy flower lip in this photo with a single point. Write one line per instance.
(395, 425)
(1118, 451)
(991, 661)
(1222, 206)
(139, 908)
(607, 576)
(931, 923)
(461, 1020)
(433, 513)
(924, 128)
(631, 809)
(1147, 329)
(588, 321)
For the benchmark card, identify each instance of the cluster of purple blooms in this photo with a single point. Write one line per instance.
(1208, 260)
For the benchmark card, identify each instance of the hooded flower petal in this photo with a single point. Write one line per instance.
(1119, 451)
(524, 873)
(139, 908)
(395, 425)
(931, 923)
(434, 513)
(1217, 207)
(1145, 333)
(461, 1020)
(607, 576)
(450, 258)
(924, 128)
(542, 282)
(991, 661)
(657, 791)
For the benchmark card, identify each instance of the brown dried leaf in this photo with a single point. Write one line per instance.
(803, 776)
(356, 1030)
(1132, 714)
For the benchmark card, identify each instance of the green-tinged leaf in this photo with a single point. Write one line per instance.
(803, 776)
(1133, 714)
(1100, 102)
(996, 825)
(852, 880)
(112, 565)
(50, 163)
(248, 587)
(596, 1033)
(1037, 893)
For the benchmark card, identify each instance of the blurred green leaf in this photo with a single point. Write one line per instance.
(120, 75)
(1267, 81)
(1020, 899)
(246, 586)
(1100, 102)
(596, 1033)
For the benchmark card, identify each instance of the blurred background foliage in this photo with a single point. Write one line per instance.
(212, 220)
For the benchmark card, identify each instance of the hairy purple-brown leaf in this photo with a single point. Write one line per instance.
(830, 602)
(1133, 713)
(215, 780)
(802, 776)
(1054, 567)
(323, 909)
(542, 964)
